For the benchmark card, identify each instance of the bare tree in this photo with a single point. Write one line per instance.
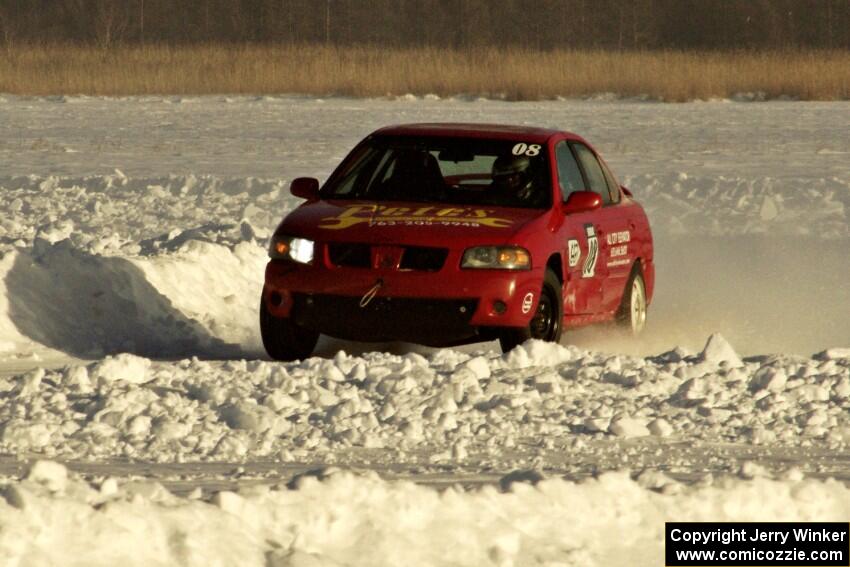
(578, 24)
(110, 22)
(327, 22)
(7, 28)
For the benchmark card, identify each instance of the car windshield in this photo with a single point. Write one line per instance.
(467, 171)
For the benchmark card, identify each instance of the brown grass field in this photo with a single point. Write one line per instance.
(513, 74)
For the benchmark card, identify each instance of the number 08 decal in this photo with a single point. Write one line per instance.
(523, 149)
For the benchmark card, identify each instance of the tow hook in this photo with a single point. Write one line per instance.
(373, 291)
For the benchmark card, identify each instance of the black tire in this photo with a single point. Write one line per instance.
(283, 339)
(547, 322)
(631, 315)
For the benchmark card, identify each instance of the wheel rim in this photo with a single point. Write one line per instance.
(638, 306)
(544, 324)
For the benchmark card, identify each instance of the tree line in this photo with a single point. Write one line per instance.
(535, 24)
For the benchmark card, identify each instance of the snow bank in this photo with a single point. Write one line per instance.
(116, 215)
(95, 265)
(450, 407)
(701, 168)
(683, 204)
(353, 520)
(195, 294)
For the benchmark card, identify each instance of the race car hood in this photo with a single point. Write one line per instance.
(418, 224)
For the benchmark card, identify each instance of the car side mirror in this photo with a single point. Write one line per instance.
(305, 187)
(581, 202)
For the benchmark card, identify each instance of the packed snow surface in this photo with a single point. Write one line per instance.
(132, 248)
(537, 404)
(340, 519)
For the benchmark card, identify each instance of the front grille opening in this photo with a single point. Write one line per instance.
(346, 255)
(424, 259)
(437, 321)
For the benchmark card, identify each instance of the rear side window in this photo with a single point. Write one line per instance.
(593, 171)
(569, 174)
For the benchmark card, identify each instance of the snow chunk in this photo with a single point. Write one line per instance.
(655, 480)
(24, 435)
(769, 209)
(717, 349)
(479, 366)
(250, 417)
(125, 367)
(55, 232)
(660, 427)
(49, 474)
(229, 502)
(811, 393)
(769, 378)
(834, 354)
(538, 353)
(751, 470)
(629, 427)
(77, 378)
(597, 425)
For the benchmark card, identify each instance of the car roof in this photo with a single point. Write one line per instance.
(474, 130)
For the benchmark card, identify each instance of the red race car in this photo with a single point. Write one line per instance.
(443, 234)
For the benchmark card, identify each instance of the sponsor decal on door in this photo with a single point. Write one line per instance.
(575, 252)
(589, 269)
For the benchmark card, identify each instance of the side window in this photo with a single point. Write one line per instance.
(595, 176)
(365, 163)
(613, 184)
(569, 174)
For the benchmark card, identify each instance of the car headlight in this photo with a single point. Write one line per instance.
(497, 257)
(291, 248)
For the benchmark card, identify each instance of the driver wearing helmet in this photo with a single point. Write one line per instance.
(512, 183)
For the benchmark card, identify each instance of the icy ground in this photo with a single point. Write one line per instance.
(132, 245)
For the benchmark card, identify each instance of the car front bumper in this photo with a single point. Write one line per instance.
(442, 307)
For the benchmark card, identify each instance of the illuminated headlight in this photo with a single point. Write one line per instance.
(291, 248)
(497, 257)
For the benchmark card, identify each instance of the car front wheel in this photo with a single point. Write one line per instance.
(283, 339)
(546, 322)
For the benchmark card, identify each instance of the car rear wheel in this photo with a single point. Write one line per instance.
(546, 322)
(283, 339)
(632, 312)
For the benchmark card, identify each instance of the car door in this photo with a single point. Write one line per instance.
(583, 290)
(612, 228)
